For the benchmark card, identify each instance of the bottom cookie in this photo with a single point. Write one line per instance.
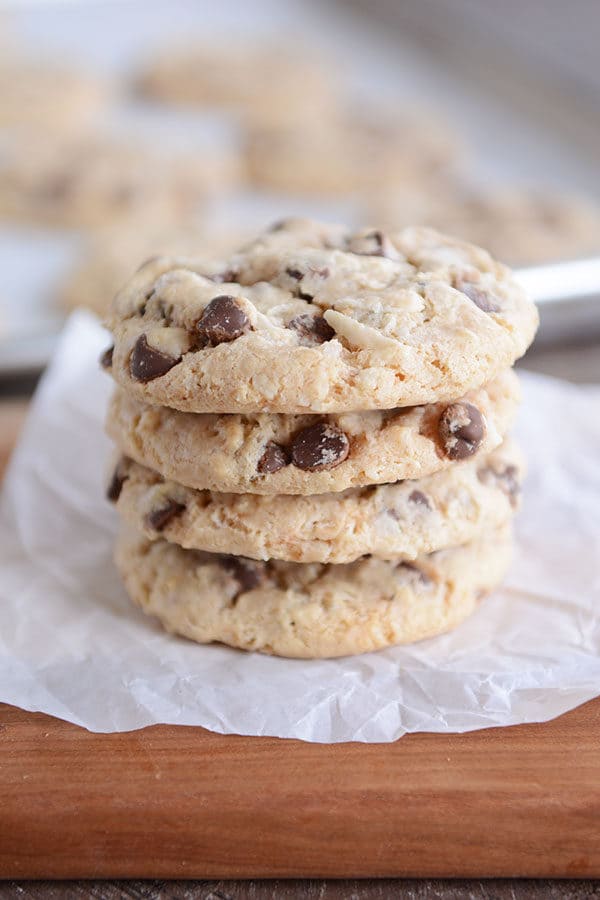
(309, 610)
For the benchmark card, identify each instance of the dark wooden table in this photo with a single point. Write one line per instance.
(383, 889)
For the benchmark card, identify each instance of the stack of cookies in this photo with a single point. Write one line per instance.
(313, 443)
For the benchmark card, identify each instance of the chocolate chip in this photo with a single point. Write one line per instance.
(480, 298)
(106, 360)
(298, 275)
(373, 243)
(461, 430)
(419, 498)
(229, 276)
(320, 446)
(274, 458)
(506, 479)
(119, 477)
(246, 572)
(146, 363)
(223, 320)
(312, 329)
(159, 518)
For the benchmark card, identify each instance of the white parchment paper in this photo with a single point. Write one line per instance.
(72, 645)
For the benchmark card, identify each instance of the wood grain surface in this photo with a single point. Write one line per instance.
(180, 803)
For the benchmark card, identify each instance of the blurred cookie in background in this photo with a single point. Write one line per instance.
(257, 82)
(96, 180)
(113, 254)
(45, 95)
(518, 225)
(349, 153)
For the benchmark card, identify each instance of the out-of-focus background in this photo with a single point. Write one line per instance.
(131, 128)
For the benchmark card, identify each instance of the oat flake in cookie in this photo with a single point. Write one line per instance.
(286, 454)
(309, 610)
(315, 318)
(389, 521)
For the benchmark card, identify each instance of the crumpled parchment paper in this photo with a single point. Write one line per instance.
(72, 645)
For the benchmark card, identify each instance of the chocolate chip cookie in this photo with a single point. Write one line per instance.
(391, 521)
(281, 454)
(315, 318)
(309, 610)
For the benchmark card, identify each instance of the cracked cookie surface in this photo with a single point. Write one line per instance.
(315, 318)
(309, 610)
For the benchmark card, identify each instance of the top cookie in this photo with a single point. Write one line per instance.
(316, 318)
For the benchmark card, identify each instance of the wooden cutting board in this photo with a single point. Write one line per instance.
(179, 802)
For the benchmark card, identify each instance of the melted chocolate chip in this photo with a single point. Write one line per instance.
(274, 458)
(246, 572)
(118, 479)
(146, 363)
(312, 329)
(106, 360)
(419, 498)
(159, 518)
(223, 320)
(318, 447)
(480, 298)
(461, 430)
